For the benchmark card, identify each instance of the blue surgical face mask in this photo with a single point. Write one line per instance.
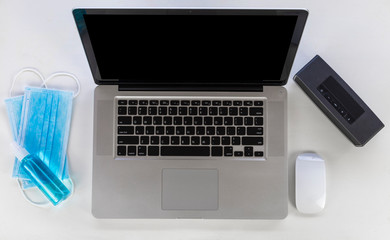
(42, 117)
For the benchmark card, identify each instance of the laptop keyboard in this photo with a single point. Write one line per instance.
(189, 127)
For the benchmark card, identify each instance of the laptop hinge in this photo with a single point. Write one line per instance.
(184, 87)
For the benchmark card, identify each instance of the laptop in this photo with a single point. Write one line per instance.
(190, 115)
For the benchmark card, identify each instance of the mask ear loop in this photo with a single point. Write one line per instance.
(43, 204)
(67, 75)
(33, 70)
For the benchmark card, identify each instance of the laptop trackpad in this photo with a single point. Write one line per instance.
(190, 189)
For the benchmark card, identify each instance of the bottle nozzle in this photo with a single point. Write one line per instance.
(19, 152)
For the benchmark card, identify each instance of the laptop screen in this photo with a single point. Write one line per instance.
(198, 46)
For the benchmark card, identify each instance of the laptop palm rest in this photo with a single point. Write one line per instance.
(189, 189)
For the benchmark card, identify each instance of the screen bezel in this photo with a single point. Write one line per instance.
(82, 29)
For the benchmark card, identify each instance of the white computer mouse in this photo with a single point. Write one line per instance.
(310, 183)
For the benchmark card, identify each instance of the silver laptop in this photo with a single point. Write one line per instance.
(190, 115)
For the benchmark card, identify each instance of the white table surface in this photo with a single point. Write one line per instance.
(353, 36)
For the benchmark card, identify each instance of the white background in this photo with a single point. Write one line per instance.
(353, 36)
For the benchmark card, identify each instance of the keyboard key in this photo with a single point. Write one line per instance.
(228, 121)
(152, 110)
(198, 120)
(231, 131)
(195, 102)
(203, 111)
(252, 141)
(217, 103)
(193, 111)
(137, 120)
(208, 121)
(221, 131)
(205, 140)
(216, 151)
(223, 111)
(149, 130)
(143, 102)
(140, 130)
(162, 111)
(128, 140)
(185, 140)
(200, 130)
(215, 140)
(248, 151)
(124, 120)
(258, 103)
(153, 102)
(172, 110)
(122, 102)
(259, 121)
(187, 120)
(195, 140)
(180, 131)
(170, 130)
(248, 120)
(227, 103)
(177, 121)
(147, 120)
(225, 140)
(243, 111)
(237, 103)
(164, 140)
(132, 110)
(259, 154)
(206, 103)
(190, 130)
(164, 102)
(238, 153)
(175, 102)
(185, 102)
(154, 140)
(131, 150)
(213, 111)
(183, 110)
(254, 131)
(240, 130)
(238, 121)
(185, 151)
(133, 102)
(256, 111)
(167, 121)
(142, 110)
(233, 111)
(228, 151)
(153, 151)
(121, 151)
(125, 130)
(218, 120)
(122, 110)
(160, 130)
(144, 140)
(248, 103)
(175, 140)
(210, 130)
(141, 150)
(236, 140)
(157, 120)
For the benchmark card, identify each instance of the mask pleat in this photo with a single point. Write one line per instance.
(45, 130)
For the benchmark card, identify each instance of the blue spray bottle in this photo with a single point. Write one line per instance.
(41, 175)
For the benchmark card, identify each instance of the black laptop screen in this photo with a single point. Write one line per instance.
(160, 48)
